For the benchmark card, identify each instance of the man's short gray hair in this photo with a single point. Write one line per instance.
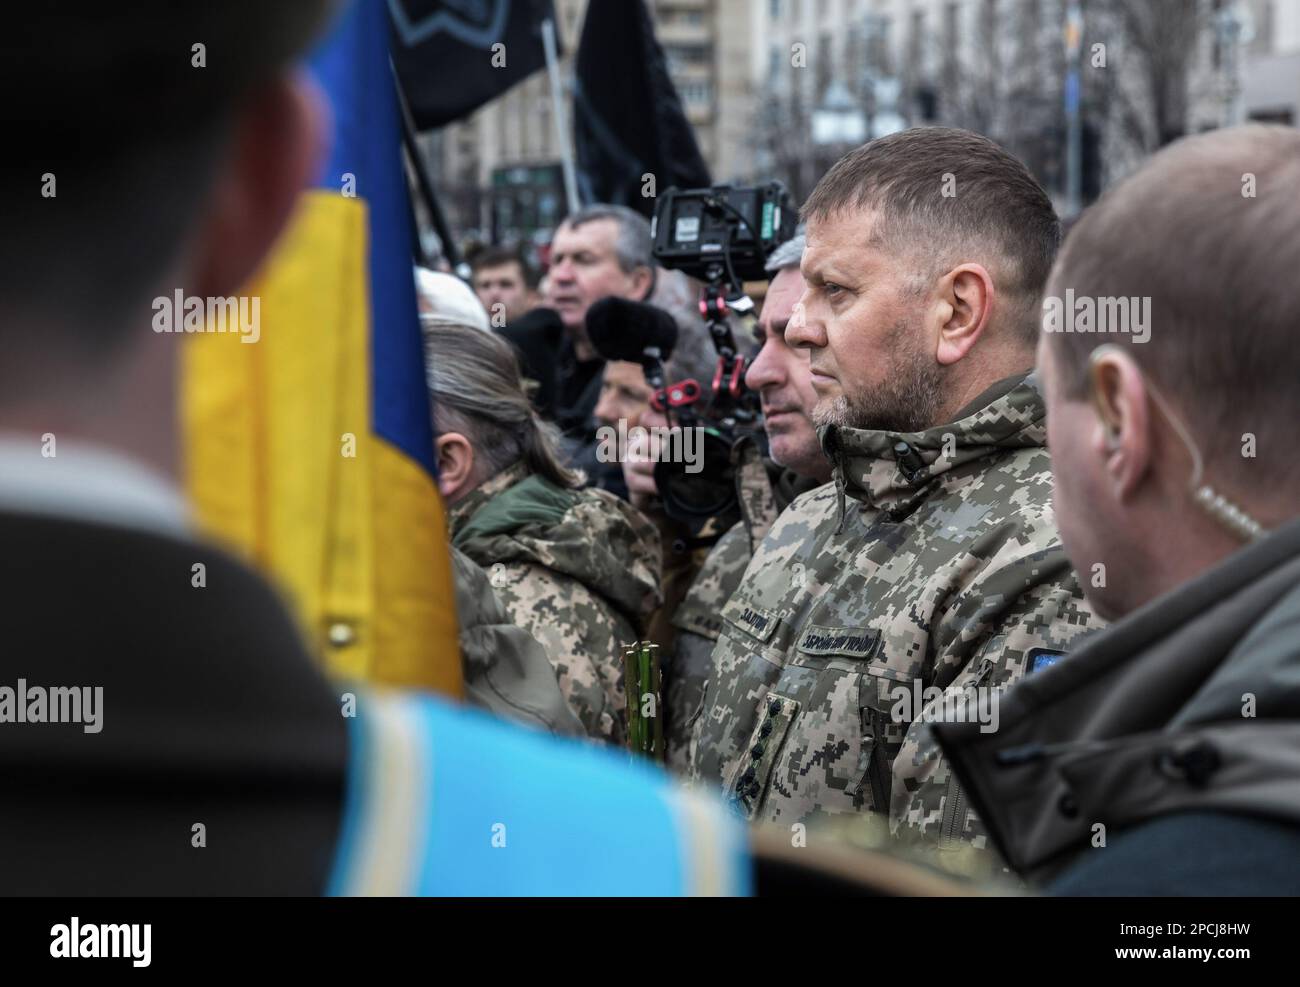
(632, 244)
(787, 255)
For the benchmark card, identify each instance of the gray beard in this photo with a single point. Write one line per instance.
(907, 400)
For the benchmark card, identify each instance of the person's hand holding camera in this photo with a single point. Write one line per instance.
(638, 466)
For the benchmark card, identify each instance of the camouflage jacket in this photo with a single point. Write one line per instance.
(929, 564)
(506, 670)
(576, 569)
(764, 490)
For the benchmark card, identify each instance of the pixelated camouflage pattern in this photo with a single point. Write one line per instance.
(698, 620)
(755, 490)
(506, 670)
(576, 569)
(764, 490)
(977, 871)
(931, 557)
(685, 548)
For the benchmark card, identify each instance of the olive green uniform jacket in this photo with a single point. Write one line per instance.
(928, 566)
(576, 569)
(506, 670)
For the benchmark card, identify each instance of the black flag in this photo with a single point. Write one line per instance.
(446, 56)
(628, 119)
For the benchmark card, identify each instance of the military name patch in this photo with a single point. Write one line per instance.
(698, 624)
(852, 641)
(696, 619)
(755, 620)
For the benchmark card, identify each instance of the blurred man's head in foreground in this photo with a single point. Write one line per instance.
(597, 252)
(154, 147)
(1168, 356)
(927, 252)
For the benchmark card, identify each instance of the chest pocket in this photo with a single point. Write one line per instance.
(819, 745)
(777, 714)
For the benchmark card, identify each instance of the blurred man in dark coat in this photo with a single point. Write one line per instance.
(1162, 757)
(163, 730)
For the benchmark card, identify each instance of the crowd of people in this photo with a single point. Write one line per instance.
(1020, 601)
(903, 551)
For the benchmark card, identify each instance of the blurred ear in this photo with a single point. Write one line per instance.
(455, 456)
(1122, 401)
(967, 294)
(275, 150)
(643, 281)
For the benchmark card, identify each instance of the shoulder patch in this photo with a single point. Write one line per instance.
(1039, 658)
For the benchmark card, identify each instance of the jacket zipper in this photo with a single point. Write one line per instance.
(877, 776)
(955, 811)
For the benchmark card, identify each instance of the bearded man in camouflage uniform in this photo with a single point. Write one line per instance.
(931, 564)
(765, 486)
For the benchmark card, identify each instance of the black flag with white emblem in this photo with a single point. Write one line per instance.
(452, 56)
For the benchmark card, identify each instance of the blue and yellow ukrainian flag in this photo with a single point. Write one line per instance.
(311, 450)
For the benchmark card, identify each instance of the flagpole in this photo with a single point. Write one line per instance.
(422, 180)
(557, 114)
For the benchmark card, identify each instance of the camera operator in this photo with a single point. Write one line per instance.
(644, 343)
(625, 394)
(796, 464)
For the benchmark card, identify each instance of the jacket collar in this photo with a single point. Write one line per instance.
(459, 513)
(887, 470)
(1145, 718)
(89, 482)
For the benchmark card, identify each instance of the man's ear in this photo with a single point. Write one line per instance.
(1122, 401)
(455, 457)
(278, 141)
(967, 294)
(643, 282)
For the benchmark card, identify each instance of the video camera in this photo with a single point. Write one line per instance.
(721, 236)
(735, 226)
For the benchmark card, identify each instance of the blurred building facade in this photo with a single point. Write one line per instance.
(830, 73)
(782, 88)
(1271, 73)
(498, 170)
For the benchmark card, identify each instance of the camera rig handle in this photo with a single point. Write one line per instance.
(719, 299)
(677, 395)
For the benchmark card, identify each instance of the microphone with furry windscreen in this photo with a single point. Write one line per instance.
(620, 329)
